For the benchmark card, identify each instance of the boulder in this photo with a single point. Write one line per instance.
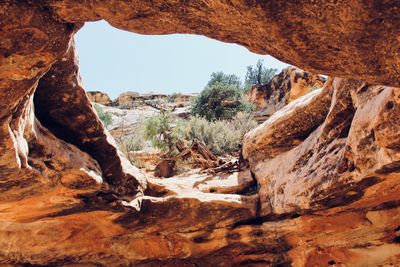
(166, 168)
(99, 97)
(126, 98)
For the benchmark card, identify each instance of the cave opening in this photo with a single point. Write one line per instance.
(136, 81)
(115, 61)
(172, 103)
(287, 202)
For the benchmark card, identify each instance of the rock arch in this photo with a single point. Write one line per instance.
(327, 164)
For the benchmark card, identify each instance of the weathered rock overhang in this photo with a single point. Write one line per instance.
(327, 165)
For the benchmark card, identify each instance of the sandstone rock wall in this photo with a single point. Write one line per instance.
(323, 155)
(322, 185)
(61, 101)
(99, 97)
(353, 39)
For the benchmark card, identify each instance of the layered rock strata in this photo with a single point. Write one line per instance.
(321, 186)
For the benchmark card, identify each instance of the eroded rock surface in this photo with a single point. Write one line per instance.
(99, 97)
(340, 167)
(322, 184)
(329, 37)
(126, 98)
(285, 87)
(60, 100)
(321, 158)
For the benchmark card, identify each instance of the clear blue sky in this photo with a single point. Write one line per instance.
(115, 61)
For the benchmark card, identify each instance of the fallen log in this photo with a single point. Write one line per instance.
(197, 156)
(228, 167)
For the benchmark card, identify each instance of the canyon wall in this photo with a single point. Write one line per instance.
(321, 185)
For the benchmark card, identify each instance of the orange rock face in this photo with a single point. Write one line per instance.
(322, 184)
(285, 87)
(329, 37)
(99, 97)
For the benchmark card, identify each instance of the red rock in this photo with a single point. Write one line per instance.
(165, 169)
(326, 165)
(99, 97)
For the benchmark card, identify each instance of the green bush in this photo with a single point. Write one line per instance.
(163, 133)
(243, 122)
(220, 102)
(217, 136)
(104, 116)
(222, 136)
(228, 79)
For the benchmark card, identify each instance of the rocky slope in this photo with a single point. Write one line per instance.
(133, 100)
(321, 187)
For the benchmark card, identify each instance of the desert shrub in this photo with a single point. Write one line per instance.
(243, 122)
(104, 116)
(135, 141)
(130, 144)
(217, 135)
(222, 136)
(220, 102)
(163, 133)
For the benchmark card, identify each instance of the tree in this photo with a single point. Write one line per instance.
(104, 116)
(221, 77)
(258, 74)
(160, 130)
(220, 102)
